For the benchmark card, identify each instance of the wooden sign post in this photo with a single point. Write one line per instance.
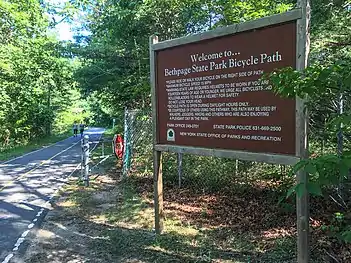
(209, 99)
(302, 203)
(158, 182)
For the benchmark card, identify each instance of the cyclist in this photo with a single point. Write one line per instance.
(75, 129)
(81, 129)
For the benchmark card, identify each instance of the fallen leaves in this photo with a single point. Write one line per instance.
(250, 212)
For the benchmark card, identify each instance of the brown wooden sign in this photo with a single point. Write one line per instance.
(209, 99)
(211, 94)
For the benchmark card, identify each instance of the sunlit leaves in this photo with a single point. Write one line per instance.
(116, 60)
(326, 170)
(34, 78)
(235, 11)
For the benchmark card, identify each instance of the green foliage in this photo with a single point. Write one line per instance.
(339, 227)
(324, 85)
(35, 79)
(346, 235)
(78, 111)
(317, 83)
(115, 56)
(328, 75)
(236, 11)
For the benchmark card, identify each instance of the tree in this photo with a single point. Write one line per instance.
(116, 55)
(35, 78)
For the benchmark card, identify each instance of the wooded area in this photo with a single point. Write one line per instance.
(47, 84)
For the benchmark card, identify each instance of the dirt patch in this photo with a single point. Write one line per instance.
(68, 232)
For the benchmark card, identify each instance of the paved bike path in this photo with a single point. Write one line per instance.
(28, 185)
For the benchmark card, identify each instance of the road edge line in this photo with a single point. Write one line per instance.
(38, 150)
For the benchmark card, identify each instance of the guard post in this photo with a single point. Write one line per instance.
(86, 159)
(103, 148)
(82, 160)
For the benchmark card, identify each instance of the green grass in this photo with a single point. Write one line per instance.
(110, 132)
(32, 146)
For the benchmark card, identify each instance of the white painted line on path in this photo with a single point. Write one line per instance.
(35, 168)
(43, 148)
(7, 259)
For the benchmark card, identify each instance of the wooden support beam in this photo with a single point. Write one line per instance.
(302, 202)
(158, 192)
(158, 182)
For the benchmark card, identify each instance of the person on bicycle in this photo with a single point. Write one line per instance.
(81, 129)
(75, 129)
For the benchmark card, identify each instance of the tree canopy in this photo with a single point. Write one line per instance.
(36, 81)
(115, 57)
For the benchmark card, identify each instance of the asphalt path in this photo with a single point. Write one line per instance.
(28, 184)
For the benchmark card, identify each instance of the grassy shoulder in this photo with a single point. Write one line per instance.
(110, 132)
(32, 146)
